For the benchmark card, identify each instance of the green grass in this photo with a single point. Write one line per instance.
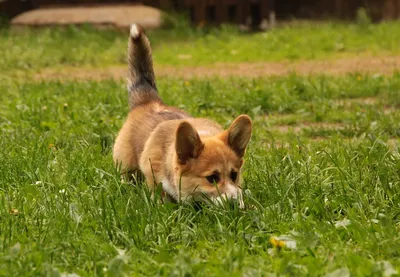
(64, 209)
(39, 48)
(75, 216)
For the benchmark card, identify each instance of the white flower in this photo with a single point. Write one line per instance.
(342, 224)
(64, 274)
(387, 268)
(341, 272)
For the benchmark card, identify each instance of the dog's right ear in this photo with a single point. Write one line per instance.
(239, 134)
(188, 144)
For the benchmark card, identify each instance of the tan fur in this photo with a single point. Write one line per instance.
(170, 147)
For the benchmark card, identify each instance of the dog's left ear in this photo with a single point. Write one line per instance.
(239, 134)
(188, 144)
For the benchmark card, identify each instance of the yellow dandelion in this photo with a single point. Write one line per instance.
(51, 145)
(14, 212)
(358, 78)
(187, 83)
(276, 242)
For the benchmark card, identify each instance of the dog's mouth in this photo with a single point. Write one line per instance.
(229, 205)
(199, 200)
(225, 201)
(220, 201)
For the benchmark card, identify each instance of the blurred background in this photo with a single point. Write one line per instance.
(257, 14)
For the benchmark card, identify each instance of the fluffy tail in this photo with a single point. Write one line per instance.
(141, 81)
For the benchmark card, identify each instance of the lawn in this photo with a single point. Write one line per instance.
(321, 179)
(33, 49)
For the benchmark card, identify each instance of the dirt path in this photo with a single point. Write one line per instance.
(380, 65)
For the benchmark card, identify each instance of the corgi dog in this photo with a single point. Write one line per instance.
(194, 159)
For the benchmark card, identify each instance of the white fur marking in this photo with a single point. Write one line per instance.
(168, 188)
(203, 133)
(134, 31)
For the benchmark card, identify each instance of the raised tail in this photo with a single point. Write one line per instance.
(141, 80)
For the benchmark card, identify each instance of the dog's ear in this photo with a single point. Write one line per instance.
(188, 144)
(239, 134)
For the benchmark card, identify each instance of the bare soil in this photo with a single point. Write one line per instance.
(392, 143)
(307, 125)
(374, 65)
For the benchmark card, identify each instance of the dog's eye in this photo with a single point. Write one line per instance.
(233, 175)
(213, 178)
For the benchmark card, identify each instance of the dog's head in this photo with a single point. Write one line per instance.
(209, 168)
